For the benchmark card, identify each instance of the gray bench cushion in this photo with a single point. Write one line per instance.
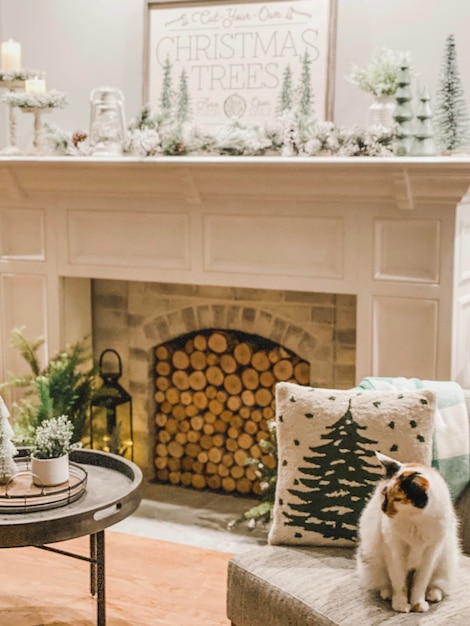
(296, 586)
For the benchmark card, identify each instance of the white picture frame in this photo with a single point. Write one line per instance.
(235, 53)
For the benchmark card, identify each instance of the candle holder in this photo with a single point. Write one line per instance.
(38, 138)
(37, 104)
(11, 149)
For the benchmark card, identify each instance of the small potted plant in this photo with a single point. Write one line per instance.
(50, 451)
(380, 78)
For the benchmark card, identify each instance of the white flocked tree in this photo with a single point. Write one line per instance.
(7, 448)
(451, 120)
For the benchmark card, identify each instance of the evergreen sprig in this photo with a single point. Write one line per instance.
(62, 387)
(267, 473)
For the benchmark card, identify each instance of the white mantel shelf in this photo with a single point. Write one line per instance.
(406, 182)
(395, 232)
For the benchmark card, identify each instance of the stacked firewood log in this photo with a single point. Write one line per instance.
(214, 397)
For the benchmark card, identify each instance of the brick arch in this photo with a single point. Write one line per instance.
(242, 318)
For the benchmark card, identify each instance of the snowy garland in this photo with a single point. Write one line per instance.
(65, 143)
(17, 75)
(290, 135)
(51, 100)
(236, 139)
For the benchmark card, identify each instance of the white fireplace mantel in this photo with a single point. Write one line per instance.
(395, 232)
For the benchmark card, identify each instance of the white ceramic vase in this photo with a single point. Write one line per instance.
(381, 111)
(50, 472)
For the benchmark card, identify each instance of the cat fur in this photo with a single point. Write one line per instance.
(408, 537)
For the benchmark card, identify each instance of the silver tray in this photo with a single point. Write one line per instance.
(20, 495)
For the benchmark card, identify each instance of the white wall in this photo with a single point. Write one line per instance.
(82, 44)
(419, 27)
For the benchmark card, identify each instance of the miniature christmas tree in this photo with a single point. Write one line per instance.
(403, 113)
(423, 143)
(166, 97)
(306, 96)
(182, 112)
(8, 467)
(451, 118)
(285, 99)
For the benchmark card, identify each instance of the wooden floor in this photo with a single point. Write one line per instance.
(148, 583)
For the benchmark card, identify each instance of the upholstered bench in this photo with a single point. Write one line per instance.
(279, 585)
(294, 586)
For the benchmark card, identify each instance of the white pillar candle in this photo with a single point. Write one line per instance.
(36, 86)
(11, 56)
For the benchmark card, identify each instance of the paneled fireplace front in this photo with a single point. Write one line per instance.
(386, 238)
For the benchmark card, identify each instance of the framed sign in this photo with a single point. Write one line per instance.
(238, 59)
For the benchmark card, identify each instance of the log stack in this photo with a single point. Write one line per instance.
(214, 398)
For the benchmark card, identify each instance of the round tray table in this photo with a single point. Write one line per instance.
(112, 493)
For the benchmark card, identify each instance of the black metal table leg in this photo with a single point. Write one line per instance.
(93, 565)
(100, 578)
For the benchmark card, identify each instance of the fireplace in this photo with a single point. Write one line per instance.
(201, 364)
(359, 266)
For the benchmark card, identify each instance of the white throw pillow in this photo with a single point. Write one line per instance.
(327, 466)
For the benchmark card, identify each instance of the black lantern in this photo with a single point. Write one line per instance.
(111, 427)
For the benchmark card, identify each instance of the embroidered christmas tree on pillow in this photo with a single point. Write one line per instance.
(327, 465)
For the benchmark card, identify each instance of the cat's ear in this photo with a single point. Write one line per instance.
(391, 465)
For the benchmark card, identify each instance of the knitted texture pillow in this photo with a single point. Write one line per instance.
(327, 466)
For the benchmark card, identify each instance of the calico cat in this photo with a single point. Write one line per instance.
(408, 537)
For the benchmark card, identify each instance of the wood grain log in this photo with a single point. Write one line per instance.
(217, 342)
(162, 353)
(180, 379)
(198, 360)
(200, 342)
(180, 360)
(242, 353)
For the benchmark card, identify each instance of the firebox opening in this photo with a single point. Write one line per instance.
(215, 394)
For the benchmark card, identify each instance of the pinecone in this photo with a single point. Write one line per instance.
(78, 136)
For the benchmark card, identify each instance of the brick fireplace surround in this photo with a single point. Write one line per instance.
(359, 266)
(135, 317)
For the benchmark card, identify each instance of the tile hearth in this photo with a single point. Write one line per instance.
(195, 518)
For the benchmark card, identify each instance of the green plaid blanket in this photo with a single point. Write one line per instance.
(451, 442)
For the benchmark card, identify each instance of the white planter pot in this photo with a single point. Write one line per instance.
(381, 112)
(50, 472)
